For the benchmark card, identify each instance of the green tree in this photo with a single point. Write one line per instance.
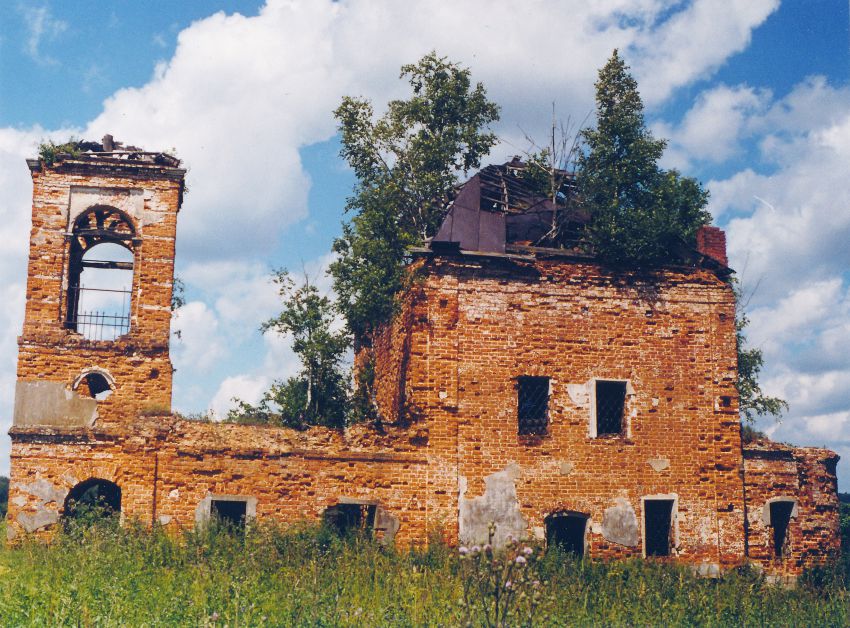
(4, 496)
(752, 401)
(406, 163)
(318, 394)
(640, 213)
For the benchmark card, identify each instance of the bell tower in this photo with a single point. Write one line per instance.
(94, 347)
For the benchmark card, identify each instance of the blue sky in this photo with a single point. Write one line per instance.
(753, 96)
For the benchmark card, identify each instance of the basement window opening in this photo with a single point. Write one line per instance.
(566, 531)
(610, 407)
(350, 519)
(658, 526)
(780, 518)
(532, 404)
(229, 513)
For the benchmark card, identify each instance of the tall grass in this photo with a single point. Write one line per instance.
(307, 577)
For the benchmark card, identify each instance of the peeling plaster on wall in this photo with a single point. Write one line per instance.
(579, 394)
(620, 524)
(46, 494)
(498, 504)
(387, 523)
(45, 403)
(567, 468)
(659, 464)
(130, 201)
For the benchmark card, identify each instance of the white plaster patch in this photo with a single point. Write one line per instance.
(659, 464)
(579, 394)
(567, 468)
(174, 494)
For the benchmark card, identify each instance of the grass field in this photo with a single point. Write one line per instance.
(113, 576)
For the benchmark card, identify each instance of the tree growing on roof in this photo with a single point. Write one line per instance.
(406, 163)
(318, 394)
(640, 213)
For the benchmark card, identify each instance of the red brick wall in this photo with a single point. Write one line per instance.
(139, 362)
(480, 324)
(165, 467)
(806, 475)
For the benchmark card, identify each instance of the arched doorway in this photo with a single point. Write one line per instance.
(566, 530)
(93, 499)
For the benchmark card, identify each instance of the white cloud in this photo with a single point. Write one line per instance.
(245, 387)
(696, 41)
(713, 129)
(200, 345)
(41, 26)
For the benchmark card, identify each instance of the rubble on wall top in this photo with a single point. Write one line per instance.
(109, 150)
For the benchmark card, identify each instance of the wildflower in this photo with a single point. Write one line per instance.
(463, 550)
(527, 551)
(508, 584)
(214, 616)
(535, 584)
(520, 560)
(488, 548)
(475, 549)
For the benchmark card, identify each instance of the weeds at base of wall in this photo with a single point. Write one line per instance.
(306, 575)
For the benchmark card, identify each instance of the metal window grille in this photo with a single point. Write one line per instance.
(780, 517)
(658, 523)
(610, 403)
(107, 324)
(533, 405)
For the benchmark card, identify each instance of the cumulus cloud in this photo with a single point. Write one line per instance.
(714, 128)
(241, 96)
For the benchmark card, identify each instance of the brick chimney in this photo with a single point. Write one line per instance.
(711, 242)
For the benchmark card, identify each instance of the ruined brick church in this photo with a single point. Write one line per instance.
(528, 387)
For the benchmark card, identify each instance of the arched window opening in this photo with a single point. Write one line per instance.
(93, 500)
(566, 531)
(100, 274)
(94, 385)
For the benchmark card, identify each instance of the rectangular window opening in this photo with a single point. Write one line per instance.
(610, 404)
(229, 512)
(532, 404)
(780, 517)
(658, 526)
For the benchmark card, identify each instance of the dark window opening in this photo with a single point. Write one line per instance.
(230, 513)
(658, 526)
(100, 275)
(532, 404)
(566, 531)
(780, 517)
(94, 385)
(350, 519)
(93, 500)
(610, 404)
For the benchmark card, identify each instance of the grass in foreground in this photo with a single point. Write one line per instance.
(131, 576)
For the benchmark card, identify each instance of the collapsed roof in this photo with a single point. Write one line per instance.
(501, 205)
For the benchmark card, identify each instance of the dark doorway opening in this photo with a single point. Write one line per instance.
(350, 519)
(780, 517)
(229, 512)
(566, 531)
(93, 499)
(658, 526)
